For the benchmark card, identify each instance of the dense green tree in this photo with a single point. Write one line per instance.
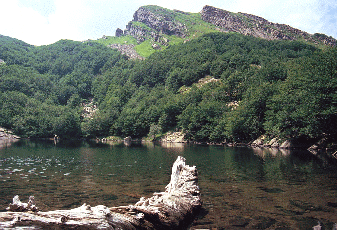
(245, 121)
(220, 86)
(305, 103)
(43, 87)
(11, 104)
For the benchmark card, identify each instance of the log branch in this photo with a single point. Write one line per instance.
(175, 208)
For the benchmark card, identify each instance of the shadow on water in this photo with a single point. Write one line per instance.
(242, 188)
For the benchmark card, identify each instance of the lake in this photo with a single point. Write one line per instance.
(242, 188)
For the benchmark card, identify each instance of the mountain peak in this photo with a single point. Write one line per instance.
(153, 21)
(160, 27)
(149, 21)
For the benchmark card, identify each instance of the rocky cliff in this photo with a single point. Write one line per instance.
(159, 21)
(152, 21)
(252, 25)
(160, 26)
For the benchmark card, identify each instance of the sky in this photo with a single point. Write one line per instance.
(43, 22)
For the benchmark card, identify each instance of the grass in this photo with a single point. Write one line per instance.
(192, 21)
(145, 49)
(117, 40)
(174, 40)
(141, 25)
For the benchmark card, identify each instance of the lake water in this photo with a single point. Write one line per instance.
(242, 188)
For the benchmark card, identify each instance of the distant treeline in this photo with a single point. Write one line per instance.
(282, 89)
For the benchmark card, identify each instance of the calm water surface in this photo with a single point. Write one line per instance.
(241, 188)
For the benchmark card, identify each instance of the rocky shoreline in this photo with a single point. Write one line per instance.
(6, 134)
(7, 138)
(315, 146)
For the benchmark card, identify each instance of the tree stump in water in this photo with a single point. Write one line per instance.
(175, 208)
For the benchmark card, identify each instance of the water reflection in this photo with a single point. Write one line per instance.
(173, 145)
(174, 148)
(263, 152)
(7, 142)
(241, 187)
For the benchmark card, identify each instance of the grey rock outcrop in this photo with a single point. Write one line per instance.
(174, 137)
(160, 22)
(286, 145)
(128, 50)
(139, 32)
(258, 142)
(154, 25)
(255, 26)
(119, 32)
(273, 143)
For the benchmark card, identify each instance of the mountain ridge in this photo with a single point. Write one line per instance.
(248, 24)
(159, 26)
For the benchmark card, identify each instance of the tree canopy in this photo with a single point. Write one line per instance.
(218, 87)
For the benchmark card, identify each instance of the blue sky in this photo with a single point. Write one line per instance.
(41, 22)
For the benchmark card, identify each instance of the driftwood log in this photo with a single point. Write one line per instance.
(175, 208)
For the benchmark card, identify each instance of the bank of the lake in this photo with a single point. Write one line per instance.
(6, 134)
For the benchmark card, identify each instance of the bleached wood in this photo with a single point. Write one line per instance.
(175, 208)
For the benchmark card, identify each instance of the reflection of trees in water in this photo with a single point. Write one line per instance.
(87, 165)
(177, 148)
(263, 152)
(292, 165)
(259, 184)
(7, 143)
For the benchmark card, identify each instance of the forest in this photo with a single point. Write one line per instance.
(219, 87)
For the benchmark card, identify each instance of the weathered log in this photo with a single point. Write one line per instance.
(175, 208)
(18, 206)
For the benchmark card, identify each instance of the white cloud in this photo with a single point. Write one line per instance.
(19, 21)
(29, 25)
(67, 20)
